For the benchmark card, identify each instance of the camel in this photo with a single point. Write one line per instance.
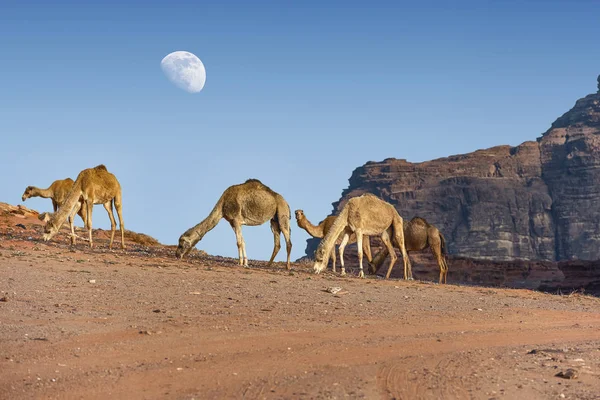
(96, 186)
(365, 215)
(319, 231)
(250, 203)
(57, 192)
(418, 235)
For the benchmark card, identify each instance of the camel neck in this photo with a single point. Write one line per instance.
(314, 231)
(44, 193)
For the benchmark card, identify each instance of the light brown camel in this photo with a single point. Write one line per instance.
(418, 235)
(365, 215)
(319, 231)
(57, 192)
(250, 203)
(96, 186)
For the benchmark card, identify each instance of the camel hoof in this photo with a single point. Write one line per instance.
(361, 274)
(343, 273)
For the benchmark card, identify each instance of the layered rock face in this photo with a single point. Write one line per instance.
(570, 158)
(538, 201)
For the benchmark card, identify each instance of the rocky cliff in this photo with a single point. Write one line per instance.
(537, 201)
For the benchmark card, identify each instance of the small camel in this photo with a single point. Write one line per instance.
(58, 192)
(96, 186)
(319, 231)
(418, 235)
(365, 215)
(250, 203)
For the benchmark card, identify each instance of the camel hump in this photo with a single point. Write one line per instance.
(258, 183)
(101, 167)
(419, 221)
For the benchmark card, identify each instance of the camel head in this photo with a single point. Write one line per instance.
(50, 229)
(27, 193)
(319, 266)
(184, 247)
(299, 215)
(320, 263)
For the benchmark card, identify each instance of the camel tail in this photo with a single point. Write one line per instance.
(67, 208)
(283, 215)
(444, 252)
(443, 249)
(328, 242)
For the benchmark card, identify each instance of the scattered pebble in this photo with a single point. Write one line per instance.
(570, 373)
(333, 289)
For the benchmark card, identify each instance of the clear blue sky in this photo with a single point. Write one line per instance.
(297, 96)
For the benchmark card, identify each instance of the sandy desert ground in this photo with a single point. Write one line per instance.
(138, 324)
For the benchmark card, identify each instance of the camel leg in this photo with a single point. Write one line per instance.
(54, 205)
(82, 211)
(119, 207)
(445, 268)
(237, 228)
(367, 252)
(436, 249)
(72, 222)
(399, 237)
(379, 259)
(89, 205)
(359, 243)
(276, 236)
(385, 238)
(72, 226)
(284, 224)
(113, 224)
(441, 259)
(333, 259)
(341, 250)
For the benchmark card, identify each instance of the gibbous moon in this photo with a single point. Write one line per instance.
(185, 70)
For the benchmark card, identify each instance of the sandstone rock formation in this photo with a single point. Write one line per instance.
(539, 201)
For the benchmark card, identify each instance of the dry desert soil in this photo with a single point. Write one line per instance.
(77, 323)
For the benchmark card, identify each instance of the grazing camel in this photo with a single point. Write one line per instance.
(418, 235)
(96, 186)
(319, 231)
(58, 192)
(365, 215)
(250, 203)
